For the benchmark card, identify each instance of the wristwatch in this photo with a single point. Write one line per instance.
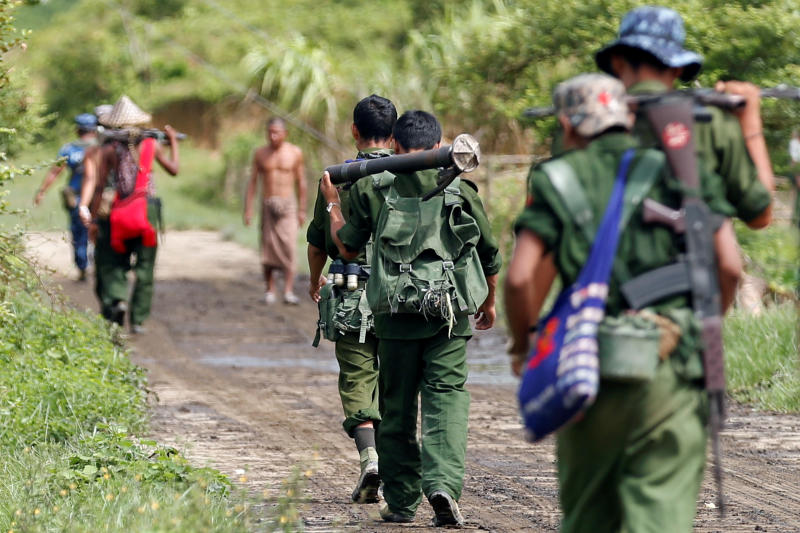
(330, 206)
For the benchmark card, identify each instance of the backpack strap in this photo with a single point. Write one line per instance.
(147, 152)
(452, 193)
(565, 182)
(382, 181)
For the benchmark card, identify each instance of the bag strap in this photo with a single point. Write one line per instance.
(147, 152)
(641, 180)
(565, 182)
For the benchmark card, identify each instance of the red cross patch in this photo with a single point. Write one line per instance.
(604, 98)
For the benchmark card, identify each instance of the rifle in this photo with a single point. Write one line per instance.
(463, 155)
(671, 119)
(134, 134)
(701, 96)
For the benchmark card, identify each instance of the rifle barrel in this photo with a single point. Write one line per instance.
(703, 96)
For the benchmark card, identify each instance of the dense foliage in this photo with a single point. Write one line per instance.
(477, 63)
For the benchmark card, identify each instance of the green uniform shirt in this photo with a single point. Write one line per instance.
(721, 146)
(642, 247)
(365, 205)
(319, 229)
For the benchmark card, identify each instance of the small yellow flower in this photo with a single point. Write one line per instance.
(73, 486)
(28, 483)
(106, 476)
(309, 472)
(229, 513)
(123, 490)
(283, 519)
(141, 509)
(10, 531)
(56, 508)
(104, 469)
(239, 508)
(63, 492)
(290, 493)
(37, 512)
(154, 505)
(206, 500)
(27, 449)
(137, 477)
(19, 512)
(242, 479)
(109, 497)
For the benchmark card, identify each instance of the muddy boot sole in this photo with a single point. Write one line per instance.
(367, 489)
(445, 510)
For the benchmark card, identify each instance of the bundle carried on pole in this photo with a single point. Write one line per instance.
(462, 156)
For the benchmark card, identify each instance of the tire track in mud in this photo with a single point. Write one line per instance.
(237, 386)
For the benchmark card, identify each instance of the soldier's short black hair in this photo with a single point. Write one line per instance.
(416, 130)
(374, 117)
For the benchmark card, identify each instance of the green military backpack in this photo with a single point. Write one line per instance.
(424, 259)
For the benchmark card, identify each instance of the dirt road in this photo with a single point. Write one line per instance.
(239, 387)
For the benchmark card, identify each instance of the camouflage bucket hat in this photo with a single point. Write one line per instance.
(592, 103)
(659, 31)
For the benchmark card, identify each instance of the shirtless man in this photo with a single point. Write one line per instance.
(280, 166)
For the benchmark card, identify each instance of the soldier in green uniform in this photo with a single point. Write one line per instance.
(373, 120)
(648, 57)
(635, 461)
(422, 353)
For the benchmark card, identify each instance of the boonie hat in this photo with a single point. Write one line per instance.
(592, 103)
(86, 122)
(126, 114)
(659, 31)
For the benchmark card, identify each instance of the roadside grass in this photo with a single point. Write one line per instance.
(71, 402)
(763, 363)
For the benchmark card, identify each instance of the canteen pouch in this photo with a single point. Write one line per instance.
(628, 348)
(69, 199)
(328, 300)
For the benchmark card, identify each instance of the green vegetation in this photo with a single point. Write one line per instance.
(762, 358)
(772, 254)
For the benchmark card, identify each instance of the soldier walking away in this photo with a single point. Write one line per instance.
(278, 168)
(72, 155)
(356, 344)
(648, 56)
(433, 263)
(134, 214)
(635, 460)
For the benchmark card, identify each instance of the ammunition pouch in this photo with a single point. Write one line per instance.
(628, 347)
(343, 311)
(106, 199)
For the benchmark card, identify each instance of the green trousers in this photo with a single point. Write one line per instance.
(103, 266)
(434, 370)
(358, 380)
(142, 260)
(635, 462)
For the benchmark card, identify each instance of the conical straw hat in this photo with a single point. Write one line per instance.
(126, 114)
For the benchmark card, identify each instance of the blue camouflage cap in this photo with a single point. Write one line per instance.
(86, 121)
(659, 31)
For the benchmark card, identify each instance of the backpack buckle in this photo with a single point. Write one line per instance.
(448, 265)
(405, 267)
